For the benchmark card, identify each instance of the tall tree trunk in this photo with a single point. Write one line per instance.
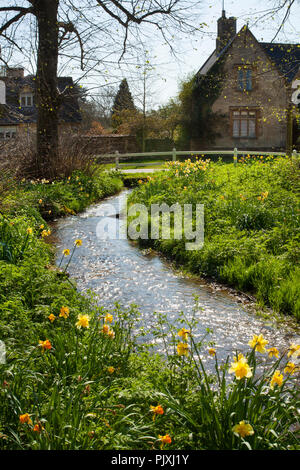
(46, 82)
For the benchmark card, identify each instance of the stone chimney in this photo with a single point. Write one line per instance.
(16, 72)
(226, 31)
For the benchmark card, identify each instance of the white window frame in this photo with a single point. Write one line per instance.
(28, 99)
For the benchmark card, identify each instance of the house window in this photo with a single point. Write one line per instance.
(245, 79)
(244, 123)
(26, 100)
(7, 133)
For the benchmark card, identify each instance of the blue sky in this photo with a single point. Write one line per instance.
(168, 71)
(194, 51)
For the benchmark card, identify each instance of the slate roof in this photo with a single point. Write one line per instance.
(286, 57)
(12, 114)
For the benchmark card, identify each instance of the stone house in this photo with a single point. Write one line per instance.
(252, 106)
(18, 112)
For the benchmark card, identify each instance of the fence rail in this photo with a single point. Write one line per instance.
(174, 153)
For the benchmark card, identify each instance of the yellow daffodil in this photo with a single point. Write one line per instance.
(111, 333)
(25, 419)
(44, 233)
(291, 368)
(259, 343)
(83, 321)
(78, 242)
(243, 429)
(294, 350)
(66, 252)
(110, 369)
(164, 440)
(64, 312)
(240, 368)
(182, 349)
(156, 410)
(52, 317)
(108, 318)
(276, 379)
(108, 331)
(184, 333)
(273, 352)
(45, 345)
(38, 428)
(212, 351)
(105, 329)
(29, 231)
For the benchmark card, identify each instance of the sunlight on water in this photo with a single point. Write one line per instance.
(118, 271)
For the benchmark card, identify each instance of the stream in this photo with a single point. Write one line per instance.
(116, 270)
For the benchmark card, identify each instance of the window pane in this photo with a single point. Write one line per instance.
(236, 128)
(249, 80)
(244, 128)
(28, 100)
(23, 101)
(252, 132)
(241, 79)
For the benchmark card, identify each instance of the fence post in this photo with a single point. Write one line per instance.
(174, 154)
(117, 159)
(294, 155)
(235, 155)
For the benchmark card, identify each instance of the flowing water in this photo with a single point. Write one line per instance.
(118, 271)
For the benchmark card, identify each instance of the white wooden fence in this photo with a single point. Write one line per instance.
(174, 153)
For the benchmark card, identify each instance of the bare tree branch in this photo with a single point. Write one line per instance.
(287, 14)
(14, 19)
(70, 28)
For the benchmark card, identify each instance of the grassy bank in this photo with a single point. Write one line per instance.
(75, 375)
(251, 224)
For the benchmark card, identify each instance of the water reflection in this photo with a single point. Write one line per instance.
(118, 271)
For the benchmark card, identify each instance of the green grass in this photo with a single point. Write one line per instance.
(92, 388)
(251, 225)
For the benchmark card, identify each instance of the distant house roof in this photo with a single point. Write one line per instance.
(12, 113)
(286, 57)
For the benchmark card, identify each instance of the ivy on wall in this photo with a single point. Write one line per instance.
(197, 96)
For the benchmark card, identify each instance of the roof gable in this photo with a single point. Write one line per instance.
(285, 57)
(12, 113)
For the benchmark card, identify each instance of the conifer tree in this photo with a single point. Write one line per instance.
(123, 99)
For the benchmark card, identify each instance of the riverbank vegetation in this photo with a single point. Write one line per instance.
(251, 224)
(76, 376)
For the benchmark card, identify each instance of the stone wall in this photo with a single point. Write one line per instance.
(107, 144)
